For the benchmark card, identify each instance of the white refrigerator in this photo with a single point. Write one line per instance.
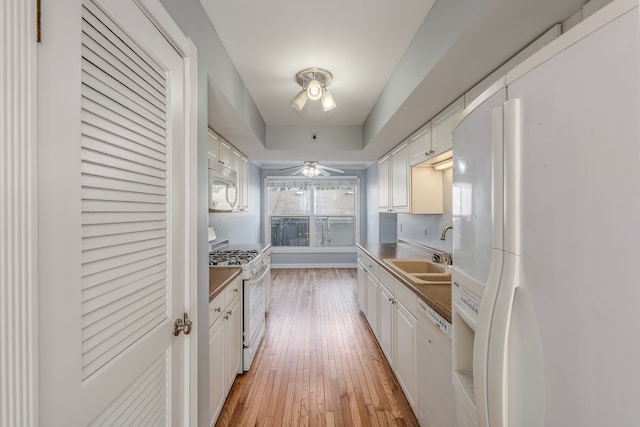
(546, 222)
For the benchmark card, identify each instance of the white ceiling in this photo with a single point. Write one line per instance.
(361, 42)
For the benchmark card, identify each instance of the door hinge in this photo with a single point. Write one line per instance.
(183, 325)
(38, 23)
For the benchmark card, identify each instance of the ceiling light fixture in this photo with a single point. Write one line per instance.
(314, 82)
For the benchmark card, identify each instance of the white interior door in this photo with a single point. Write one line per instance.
(112, 206)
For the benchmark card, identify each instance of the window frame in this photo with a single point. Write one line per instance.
(312, 183)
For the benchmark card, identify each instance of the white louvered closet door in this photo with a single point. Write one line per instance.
(109, 353)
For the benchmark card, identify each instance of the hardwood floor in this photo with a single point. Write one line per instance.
(318, 364)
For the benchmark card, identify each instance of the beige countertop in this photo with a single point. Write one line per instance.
(438, 297)
(220, 277)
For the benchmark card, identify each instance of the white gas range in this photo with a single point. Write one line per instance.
(255, 261)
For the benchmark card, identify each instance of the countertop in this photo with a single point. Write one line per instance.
(438, 297)
(220, 277)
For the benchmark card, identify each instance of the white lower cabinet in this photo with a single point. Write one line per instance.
(406, 353)
(373, 289)
(225, 345)
(362, 286)
(387, 324)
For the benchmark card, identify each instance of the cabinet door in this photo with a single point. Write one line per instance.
(225, 153)
(372, 303)
(406, 361)
(386, 321)
(217, 382)
(244, 183)
(362, 286)
(214, 146)
(442, 126)
(400, 179)
(234, 341)
(383, 184)
(420, 145)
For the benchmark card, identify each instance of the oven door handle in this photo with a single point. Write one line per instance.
(259, 278)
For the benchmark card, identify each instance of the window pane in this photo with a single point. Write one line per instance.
(289, 231)
(289, 201)
(334, 231)
(334, 200)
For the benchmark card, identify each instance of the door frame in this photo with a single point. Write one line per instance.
(187, 50)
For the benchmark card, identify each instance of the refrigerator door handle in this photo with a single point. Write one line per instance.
(487, 306)
(497, 367)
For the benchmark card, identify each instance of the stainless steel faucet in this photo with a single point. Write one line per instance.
(444, 231)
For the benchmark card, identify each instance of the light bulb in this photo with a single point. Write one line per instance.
(314, 90)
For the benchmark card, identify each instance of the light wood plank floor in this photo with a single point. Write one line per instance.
(318, 364)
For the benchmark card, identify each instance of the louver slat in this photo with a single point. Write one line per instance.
(124, 204)
(149, 391)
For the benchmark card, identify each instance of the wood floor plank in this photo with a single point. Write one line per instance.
(318, 363)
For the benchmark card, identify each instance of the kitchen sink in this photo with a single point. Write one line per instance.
(421, 271)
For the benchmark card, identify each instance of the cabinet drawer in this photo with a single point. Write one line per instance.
(387, 280)
(232, 290)
(216, 306)
(372, 266)
(406, 297)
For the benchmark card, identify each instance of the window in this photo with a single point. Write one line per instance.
(314, 212)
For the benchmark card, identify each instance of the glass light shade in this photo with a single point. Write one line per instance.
(310, 171)
(299, 101)
(314, 90)
(328, 103)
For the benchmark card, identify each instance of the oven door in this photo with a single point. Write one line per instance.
(254, 292)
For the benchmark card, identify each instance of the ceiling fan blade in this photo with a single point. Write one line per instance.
(290, 168)
(322, 171)
(329, 168)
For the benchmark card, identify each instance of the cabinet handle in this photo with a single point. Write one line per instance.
(217, 309)
(235, 289)
(226, 317)
(229, 312)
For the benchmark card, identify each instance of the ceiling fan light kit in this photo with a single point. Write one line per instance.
(311, 168)
(314, 82)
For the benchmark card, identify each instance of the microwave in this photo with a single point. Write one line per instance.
(223, 187)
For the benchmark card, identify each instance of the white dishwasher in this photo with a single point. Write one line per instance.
(436, 405)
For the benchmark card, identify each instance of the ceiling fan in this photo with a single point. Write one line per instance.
(310, 168)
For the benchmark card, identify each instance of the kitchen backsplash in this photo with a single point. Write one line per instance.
(412, 228)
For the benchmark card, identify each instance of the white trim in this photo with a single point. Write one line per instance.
(18, 217)
(187, 49)
(325, 265)
(313, 249)
(191, 288)
(599, 19)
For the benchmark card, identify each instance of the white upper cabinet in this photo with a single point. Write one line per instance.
(400, 179)
(394, 180)
(384, 166)
(420, 145)
(214, 146)
(243, 184)
(225, 153)
(442, 127)
(219, 149)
